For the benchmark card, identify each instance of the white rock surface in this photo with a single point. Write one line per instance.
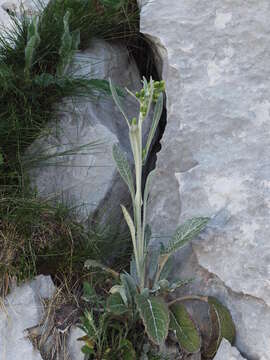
(17, 7)
(88, 179)
(227, 352)
(74, 345)
(215, 151)
(22, 309)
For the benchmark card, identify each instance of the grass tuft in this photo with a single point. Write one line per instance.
(36, 236)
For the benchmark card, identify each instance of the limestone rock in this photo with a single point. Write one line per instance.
(22, 309)
(214, 159)
(228, 352)
(4, 16)
(17, 7)
(86, 177)
(74, 346)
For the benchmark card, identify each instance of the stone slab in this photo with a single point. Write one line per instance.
(214, 159)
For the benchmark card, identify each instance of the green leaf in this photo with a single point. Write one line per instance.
(211, 346)
(88, 324)
(147, 235)
(87, 350)
(69, 44)
(89, 293)
(187, 334)
(130, 224)
(130, 287)
(113, 4)
(163, 286)
(124, 169)
(127, 350)
(95, 264)
(117, 101)
(122, 291)
(146, 195)
(155, 316)
(177, 284)
(1, 159)
(115, 304)
(45, 80)
(100, 85)
(133, 271)
(156, 118)
(222, 326)
(167, 269)
(33, 41)
(147, 186)
(153, 257)
(185, 233)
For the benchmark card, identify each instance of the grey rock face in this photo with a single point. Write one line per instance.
(18, 7)
(22, 309)
(226, 351)
(4, 16)
(214, 159)
(86, 177)
(74, 345)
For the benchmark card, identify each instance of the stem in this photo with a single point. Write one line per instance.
(189, 297)
(138, 200)
(136, 145)
(161, 267)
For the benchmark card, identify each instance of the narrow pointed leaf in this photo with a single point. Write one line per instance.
(33, 40)
(133, 271)
(167, 269)
(130, 224)
(124, 168)
(185, 233)
(69, 44)
(186, 332)
(153, 257)
(147, 235)
(155, 316)
(118, 101)
(148, 185)
(156, 118)
(146, 194)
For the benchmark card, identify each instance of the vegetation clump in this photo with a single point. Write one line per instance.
(34, 76)
(142, 297)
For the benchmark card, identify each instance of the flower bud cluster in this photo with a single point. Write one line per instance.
(159, 87)
(144, 95)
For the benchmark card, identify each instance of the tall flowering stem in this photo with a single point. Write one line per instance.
(151, 95)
